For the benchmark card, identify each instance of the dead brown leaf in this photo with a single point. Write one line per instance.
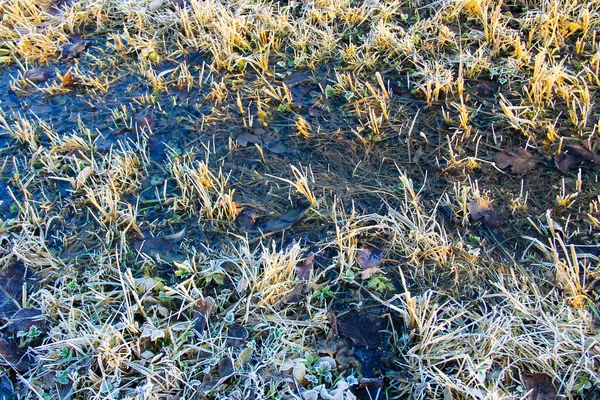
(179, 92)
(303, 272)
(481, 210)
(225, 366)
(74, 48)
(144, 122)
(487, 88)
(304, 269)
(69, 80)
(24, 319)
(284, 221)
(369, 257)
(362, 329)
(16, 357)
(245, 138)
(82, 176)
(236, 335)
(333, 331)
(278, 147)
(393, 87)
(226, 370)
(37, 75)
(519, 160)
(315, 112)
(8, 305)
(298, 293)
(157, 248)
(7, 390)
(11, 290)
(296, 78)
(572, 155)
(366, 274)
(246, 219)
(345, 357)
(540, 387)
(371, 382)
(202, 310)
(12, 279)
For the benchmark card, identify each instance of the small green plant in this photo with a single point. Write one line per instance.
(348, 277)
(323, 294)
(380, 283)
(241, 65)
(474, 240)
(286, 64)
(164, 298)
(176, 218)
(330, 91)
(213, 275)
(374, 138)
(73, 285)
(323, 370)
(47, 396)
(310, 359)
(26, 337)
(182, 271)
(62, 377)
(229, 317)
(64, 353)
(582, 385)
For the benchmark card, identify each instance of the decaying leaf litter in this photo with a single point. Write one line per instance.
(299, 199)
